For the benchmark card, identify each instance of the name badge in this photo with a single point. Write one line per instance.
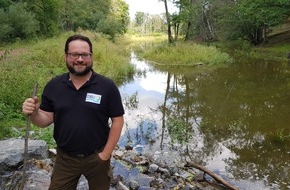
(93, 98)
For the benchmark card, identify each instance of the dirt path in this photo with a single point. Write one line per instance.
(6, 55)
(280, 38)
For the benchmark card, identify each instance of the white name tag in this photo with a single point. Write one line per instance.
(93, 98)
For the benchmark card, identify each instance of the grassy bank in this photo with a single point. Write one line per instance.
(186, 54)
(39, 61)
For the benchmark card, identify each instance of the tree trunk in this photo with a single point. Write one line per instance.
(190, 31)
(170, 38)
(176, 30)
(208, 27)
(259, 36)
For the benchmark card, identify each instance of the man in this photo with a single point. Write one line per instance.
(80, 104)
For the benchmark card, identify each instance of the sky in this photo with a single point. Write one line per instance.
(147, 6)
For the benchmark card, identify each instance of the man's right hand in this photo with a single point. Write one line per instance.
(30, 106)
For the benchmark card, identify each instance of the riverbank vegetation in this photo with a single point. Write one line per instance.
(186, 54)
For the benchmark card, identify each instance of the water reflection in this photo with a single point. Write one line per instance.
(233, 120)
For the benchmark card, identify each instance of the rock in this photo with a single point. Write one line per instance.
(12, 152)
(119, 153)
(121, 186)
(153, 168)
(128, 147)
(164, 171)
(131, 170)
(38, 180)
(134, 185)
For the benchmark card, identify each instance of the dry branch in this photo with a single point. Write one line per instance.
(213, 175)
(26, 143)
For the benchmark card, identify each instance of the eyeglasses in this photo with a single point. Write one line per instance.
(77, 55)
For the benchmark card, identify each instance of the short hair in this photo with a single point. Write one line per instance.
(78, 37)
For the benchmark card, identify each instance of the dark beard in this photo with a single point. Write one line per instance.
(79, 74)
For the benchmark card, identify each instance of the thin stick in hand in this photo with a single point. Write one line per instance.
(26, 142)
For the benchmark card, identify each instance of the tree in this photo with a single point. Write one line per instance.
(83, 14)
(4, 4)
(141, 22)
(254, 18)
(145, 23)
(231, 19)
(169, 33)
(140, 18)
(116, 21)
(17, 26)
(200, 23)
(176, 25)
(157, 24)
(110, 26)
(47, 14)
(120, 12)
(191, 30)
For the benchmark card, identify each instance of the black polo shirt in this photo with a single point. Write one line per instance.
(81, 117)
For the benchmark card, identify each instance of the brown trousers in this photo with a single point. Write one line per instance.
(67, 171)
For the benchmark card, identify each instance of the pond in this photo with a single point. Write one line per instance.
(233, 120)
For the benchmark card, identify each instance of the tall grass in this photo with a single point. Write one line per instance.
(186, 54)
(42, 60)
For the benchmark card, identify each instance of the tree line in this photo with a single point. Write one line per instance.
(195, 20)
(212, 20)
(24, 19)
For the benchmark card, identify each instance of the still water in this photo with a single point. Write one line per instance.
(234, 120)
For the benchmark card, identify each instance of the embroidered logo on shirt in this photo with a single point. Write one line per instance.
(93, 98)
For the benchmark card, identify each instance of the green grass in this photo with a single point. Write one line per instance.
(186, 54)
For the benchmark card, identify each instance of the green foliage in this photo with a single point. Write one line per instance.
(45, 134)
(140, 18)
(109, 17)
(5, 4)
(109, 26)
(235, 45)
(251, 19)
(280, 137)
(73, 17)
(120, 12)
(47, 14)
(15, 25)
(7, 132)
(45, 18)
(262, 13)
(243, 19)
(145, 23)
(108, 56)
(178, 130)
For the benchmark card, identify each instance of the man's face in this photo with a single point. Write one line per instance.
(78, 58)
